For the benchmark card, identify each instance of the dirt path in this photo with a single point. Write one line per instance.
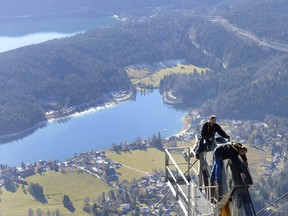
(129, 167)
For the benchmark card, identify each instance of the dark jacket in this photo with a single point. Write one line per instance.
(209, 131)
(230, 151)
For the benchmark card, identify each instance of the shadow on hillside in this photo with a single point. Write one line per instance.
(41, 198)
(70, 208)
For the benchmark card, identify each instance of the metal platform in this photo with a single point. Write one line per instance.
(194, 200)
(195, 194)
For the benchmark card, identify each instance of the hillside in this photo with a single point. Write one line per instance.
(247, 80)
(76, 70)
(247, 93)
(80, 69)
(267, 19)
(56, 185)
(51, 76)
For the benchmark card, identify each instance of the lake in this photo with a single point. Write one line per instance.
(17, 34)
(145, 116)
(89, 131)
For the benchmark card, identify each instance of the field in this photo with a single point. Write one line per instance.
(255, 158)
(154, 77)
(76, 185)
(137, 74)
(139, 163)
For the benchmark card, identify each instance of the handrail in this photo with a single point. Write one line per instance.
(170, 172)
(177, 167)
(188, 202)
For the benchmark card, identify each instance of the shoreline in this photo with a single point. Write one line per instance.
(169, 98)
(115, 98)
(186, 120)
(112, 100)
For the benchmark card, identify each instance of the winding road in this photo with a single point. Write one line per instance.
(244, 33)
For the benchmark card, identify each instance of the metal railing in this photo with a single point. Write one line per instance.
(193, 199)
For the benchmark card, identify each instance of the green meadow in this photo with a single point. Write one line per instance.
(154, 77)
(77, 185)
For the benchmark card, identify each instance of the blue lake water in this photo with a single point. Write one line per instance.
(18, 34)
(145, 116)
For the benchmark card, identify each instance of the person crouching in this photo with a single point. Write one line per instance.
(228, 151)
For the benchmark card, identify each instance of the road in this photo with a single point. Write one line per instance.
(241, 32)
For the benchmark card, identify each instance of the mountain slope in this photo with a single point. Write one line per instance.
(253, 80)
(267, 19)
(71, 71)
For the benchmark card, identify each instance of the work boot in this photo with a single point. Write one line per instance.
(212, 179)
(197, 156)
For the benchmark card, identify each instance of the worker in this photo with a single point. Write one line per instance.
(208, 135)
(228, 151)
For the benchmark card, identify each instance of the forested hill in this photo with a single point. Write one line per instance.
(265, 18)
(35, 77)
(79, 69)
(75, 70)
(253, 81)
(247, 93)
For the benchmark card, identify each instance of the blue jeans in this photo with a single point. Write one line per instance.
(217, 167)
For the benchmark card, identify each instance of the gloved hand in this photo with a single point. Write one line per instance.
(211, 139)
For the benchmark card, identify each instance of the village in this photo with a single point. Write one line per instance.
(257, 134)
(97, 164)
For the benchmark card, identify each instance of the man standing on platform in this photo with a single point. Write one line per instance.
(208, 135)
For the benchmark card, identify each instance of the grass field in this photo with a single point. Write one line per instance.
(255, 157)
(155, 76)
(137, 74)
(144, 162)
(76, 185)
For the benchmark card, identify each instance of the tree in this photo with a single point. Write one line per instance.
(102, 199)
(30, 212)
(10, 185)
(111, 195)
(86, 201)
(23, 165)
(87, 208)
(94, 208)
(39, 212)
(156, 141)
(115, 147)
(137, 211)
(49, 213)
(67, 203)
(57, 212)
(106, 212)
(125, 146)
(36, 190)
